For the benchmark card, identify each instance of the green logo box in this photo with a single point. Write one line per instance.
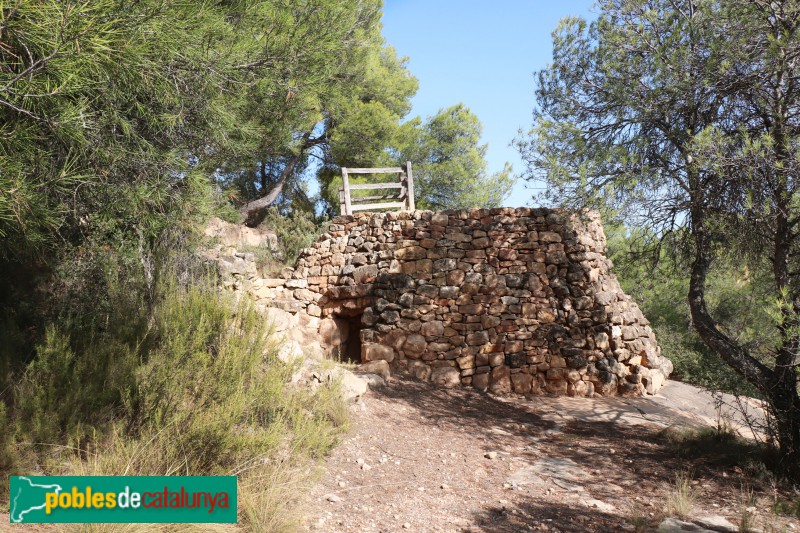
(122, 499)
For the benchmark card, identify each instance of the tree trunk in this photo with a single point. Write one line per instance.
(272, 195)
(783, 391)
(250, 208)
(779, 386)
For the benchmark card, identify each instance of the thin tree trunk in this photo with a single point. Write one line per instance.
(779, 386)
(272, 195)
(784, 397)
(267, 200)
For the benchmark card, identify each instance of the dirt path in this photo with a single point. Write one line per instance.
(423, 459)
(426, 459)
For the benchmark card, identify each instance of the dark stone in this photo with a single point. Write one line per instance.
(390, 317)
(406, 299)
(574, 268)
(365, 274)
(514, 281)
(428, 291)
(396, 281)
(577, 361)
(368, 317)
(381, 305)
(607, 377)
(556, 332)
(516, 360)
(634, 378)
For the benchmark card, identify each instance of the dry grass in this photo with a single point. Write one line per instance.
(682, 497)
(747, 503)
(208, 397)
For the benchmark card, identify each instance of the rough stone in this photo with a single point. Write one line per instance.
(379, 367)
(673, 525)
(480, 381)
(432, 329)
(500, 380)
(352, 385)
(716, 523)
(374, 352)
(278, 319)
(333, 331)
(446, 377)
(415, 344)
(290, 351)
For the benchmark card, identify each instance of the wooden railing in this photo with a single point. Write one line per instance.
(402, 199)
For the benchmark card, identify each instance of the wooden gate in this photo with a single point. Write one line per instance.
(402, 198)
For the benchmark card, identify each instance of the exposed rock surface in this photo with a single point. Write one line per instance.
(461, 461)
(673, 525)
(236, 235)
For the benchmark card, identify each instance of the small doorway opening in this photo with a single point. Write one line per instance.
(351, 349)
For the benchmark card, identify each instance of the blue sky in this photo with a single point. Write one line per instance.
(483, 54)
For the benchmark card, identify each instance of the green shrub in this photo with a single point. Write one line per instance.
(787, 507)
(65, 397)
(186, 384)
(225, 209)
(295, 232)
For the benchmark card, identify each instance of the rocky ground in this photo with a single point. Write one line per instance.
(428, 459)
(425, 459)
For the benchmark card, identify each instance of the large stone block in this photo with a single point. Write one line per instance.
(478, 338)
(446, 377)
(278, 319)
(500, 380)
(521, 383)
(411, 253)
(434, 328)
(480, 381)
(333, 332)
(419, 370)
(375, 352)
(415, 344)
(379, 367)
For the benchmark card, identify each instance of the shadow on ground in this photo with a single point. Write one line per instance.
(536, 516)
(628, 464)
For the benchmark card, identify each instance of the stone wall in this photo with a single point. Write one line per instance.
(513, 300)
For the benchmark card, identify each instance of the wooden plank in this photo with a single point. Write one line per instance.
(348, 210)
(410, 186)
(368, 186)
(341, 200)
(369, 207)
(391, 170)
(361, 199)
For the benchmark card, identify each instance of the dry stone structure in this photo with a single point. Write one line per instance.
(511, 300)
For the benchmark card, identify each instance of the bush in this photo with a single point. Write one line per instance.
(186, 385)
(295, 232)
